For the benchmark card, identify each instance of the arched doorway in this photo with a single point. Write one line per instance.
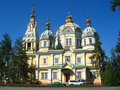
(67, 73)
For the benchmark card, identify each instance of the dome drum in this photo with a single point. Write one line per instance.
(45, 37)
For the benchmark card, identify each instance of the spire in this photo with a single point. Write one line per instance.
(32, 16)
(69, 17)
(88, 22)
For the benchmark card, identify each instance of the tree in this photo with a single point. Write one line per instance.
(114, 3)
(111, 76)
(5, 52)
(98, 55)
(19, 62)
(117, 50)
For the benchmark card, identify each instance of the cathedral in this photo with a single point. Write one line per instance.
(63, 56)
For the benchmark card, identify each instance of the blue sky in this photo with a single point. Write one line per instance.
(15, 15)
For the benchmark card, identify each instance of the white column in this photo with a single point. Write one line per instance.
(49, 75)
(60, 59)
(59, 75)
(74, 59)
(31, 46)
(36, 74)
(26, 46)
(37, 58)
(84, 73)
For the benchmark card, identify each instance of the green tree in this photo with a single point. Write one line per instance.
(117, 50)
(98, 55)
(5, 52)
(108, 75)
(19, 62)
(111, 76)
(115, 3)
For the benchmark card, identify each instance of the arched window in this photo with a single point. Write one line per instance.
(68, 41)
(84, 41)
(45, 43)
(90, 40)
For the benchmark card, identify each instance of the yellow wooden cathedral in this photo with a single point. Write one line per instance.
(63, 56)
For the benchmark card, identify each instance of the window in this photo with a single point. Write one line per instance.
(78, 59)
(90, 40)
(68, 41)
(40, 44)
(56, 61)
(79, 74)
(44, 61)
(44, 75)
(93, 75)
(54, 75)
(78, 42)
(67, 58)
(45, 43)
(50, 43)
(84, 41)
(29, 46)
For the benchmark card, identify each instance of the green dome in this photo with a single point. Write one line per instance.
(47, 33)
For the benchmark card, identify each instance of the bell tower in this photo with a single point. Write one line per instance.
(30, 39)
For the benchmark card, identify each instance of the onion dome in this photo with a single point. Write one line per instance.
(88, 31)
(47, 34)
(69, 27)
(69, 18)
(32, 16)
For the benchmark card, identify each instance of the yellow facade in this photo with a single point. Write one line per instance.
(61, 57)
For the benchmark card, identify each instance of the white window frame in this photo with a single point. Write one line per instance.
(79, 56)
(44, 74)
(84, 41)
(78, 42)
(45, 59)
(69, 41)
(91, 60)
(45, 44)
(90, 40)
(55, 74)
(55, 60)
(80, 75)
(93, 74)
(68, 58)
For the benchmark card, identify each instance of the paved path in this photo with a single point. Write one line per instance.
(37, 88)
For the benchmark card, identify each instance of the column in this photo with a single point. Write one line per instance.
(37, 58)
(52, 59)
(26, 46)
(60, 59)
(49, 75)
(74, 75)
(84, 58)
(59, 75)
(84, 73)
(36, 74)
(31, 46)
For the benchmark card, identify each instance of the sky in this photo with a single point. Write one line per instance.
(15, 15)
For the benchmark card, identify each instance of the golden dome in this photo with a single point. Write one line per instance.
(69, 18)
(47, 23)
(88, 20)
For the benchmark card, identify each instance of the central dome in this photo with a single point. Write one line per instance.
(69, 27)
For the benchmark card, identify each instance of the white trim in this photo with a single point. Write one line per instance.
(43, 71)
(67, 54)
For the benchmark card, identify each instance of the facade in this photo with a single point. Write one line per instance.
(61, 57)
